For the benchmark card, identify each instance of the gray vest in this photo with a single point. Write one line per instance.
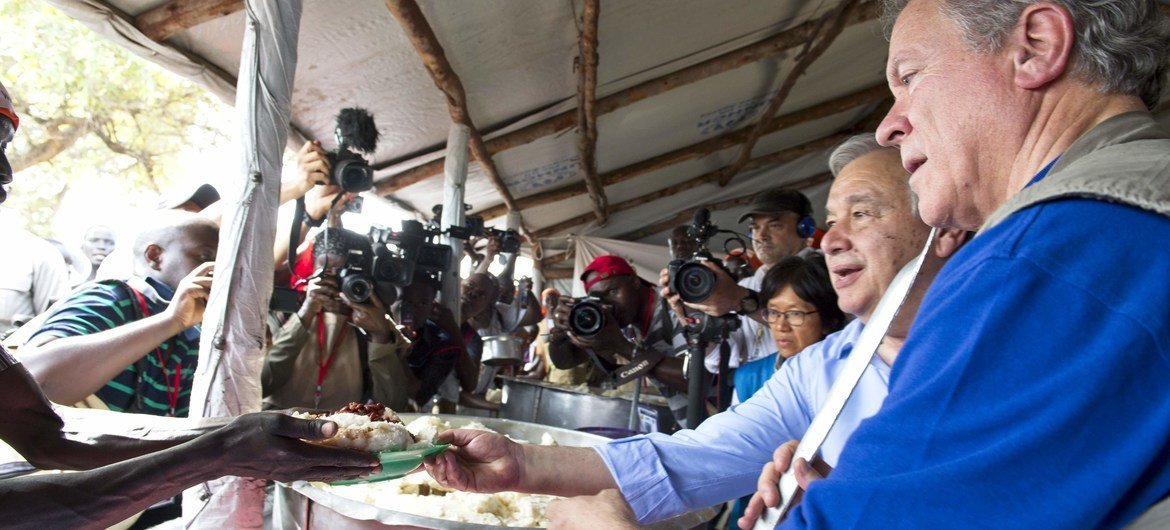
(1126, 160)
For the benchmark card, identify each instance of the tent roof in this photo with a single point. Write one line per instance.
(516, 61)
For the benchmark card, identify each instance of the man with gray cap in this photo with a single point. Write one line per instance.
(780, 221)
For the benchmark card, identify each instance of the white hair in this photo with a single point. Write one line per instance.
(851, 149)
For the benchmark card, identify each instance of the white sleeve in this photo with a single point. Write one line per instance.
(50, 280)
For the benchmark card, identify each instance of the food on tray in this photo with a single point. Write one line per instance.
(419, 494)
(369, 427)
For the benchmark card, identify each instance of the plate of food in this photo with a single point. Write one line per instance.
(373, 427)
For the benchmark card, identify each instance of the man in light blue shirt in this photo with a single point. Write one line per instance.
(872, 233)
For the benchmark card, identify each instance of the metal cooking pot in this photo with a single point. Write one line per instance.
(572, 408)
(501, 350)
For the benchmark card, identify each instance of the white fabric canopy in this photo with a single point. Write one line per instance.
(647, 260)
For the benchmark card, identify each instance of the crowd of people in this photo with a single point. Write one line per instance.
(1024, 389)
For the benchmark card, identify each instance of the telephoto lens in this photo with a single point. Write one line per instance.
(586, 318)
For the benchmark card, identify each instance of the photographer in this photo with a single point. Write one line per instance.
(437, 350)
(355, 349)
(625, 300)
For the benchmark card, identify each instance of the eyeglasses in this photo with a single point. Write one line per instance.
(794, 318)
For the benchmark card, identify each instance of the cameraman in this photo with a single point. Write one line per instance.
(356, 348)
(437, 350)
(779, 221)
(626, 300)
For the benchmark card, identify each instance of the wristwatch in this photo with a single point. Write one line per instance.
(748, 304)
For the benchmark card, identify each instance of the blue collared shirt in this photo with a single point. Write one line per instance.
(662, 475)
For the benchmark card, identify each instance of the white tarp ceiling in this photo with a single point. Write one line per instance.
(515, 59)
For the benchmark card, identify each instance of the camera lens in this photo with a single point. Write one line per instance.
(357, 288)
(586, 319)
(694, 282)
(353, 176)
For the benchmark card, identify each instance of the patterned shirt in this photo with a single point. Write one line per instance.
(146, 386)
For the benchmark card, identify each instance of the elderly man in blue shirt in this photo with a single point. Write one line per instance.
(872, 233)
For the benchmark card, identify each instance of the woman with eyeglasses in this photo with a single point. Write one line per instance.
(801, 309)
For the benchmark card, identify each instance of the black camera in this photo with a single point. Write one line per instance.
(416, 252)
(587, 317)
(509, 239)
(356, 284)
(356, 133)
(714, 329)
(691, 279)
(472, 224)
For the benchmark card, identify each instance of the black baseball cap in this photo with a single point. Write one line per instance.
(778, 201)
(203, 195)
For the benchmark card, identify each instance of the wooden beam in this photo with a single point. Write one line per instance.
(771, 159)
(713, 145)
(832, 24)
(558, 274)
(172, 17)
(787, 39)
(554, 260)
(685, 215)
(415, 25)
(586, 101)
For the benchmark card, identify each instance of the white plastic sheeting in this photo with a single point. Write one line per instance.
(231, 352)
(647, 260)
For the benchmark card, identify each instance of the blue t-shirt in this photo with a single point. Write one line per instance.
(146, 386)
(1033, 390)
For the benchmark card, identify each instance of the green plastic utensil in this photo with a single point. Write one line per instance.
(396, 464)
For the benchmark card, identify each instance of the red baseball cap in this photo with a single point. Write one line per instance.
(606, 267)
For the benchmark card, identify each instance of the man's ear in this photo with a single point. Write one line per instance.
(1040, 44)
(153, 255)
(950, 240)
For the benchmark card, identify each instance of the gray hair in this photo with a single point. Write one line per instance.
(1121, 47)
(852, 149)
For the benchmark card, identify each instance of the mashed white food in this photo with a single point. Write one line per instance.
(357, 431)
(419, 494)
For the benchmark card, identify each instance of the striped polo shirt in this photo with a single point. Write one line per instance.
(143, 386)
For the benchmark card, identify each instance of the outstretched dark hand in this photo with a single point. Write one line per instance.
(275, 446)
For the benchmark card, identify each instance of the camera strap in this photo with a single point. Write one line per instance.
(645, 359)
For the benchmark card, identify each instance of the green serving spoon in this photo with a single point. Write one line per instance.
(396, 464)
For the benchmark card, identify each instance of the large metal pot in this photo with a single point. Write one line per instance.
(304, 506)
(500, 350)
(574, 408)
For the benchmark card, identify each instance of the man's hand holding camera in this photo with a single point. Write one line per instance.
(607, 342)
(725, 296)
(371, 317)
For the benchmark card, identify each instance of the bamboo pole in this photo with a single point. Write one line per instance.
(832, 23)
(785, 40)
(415, 25)
(586, 114)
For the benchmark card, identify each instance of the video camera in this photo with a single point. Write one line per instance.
(356, 133)
(416, 251)
(474, 227)
(691, 279)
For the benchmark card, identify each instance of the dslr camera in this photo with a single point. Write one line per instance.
(356, 134)
(587, 317)
(509, 239)
(691, 279)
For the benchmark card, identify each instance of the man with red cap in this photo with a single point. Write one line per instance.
(125, 476)
(625, 300)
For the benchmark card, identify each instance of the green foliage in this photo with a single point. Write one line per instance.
(92, 110)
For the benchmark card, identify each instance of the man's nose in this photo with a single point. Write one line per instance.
(835, 240)
(894, 127)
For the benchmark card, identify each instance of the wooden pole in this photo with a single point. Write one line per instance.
(415, 25)
(685, 215)
(833, 23)
(586, 100)
(749, 54)
(177, 15)
(834, 106)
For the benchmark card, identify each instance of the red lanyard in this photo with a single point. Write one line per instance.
(323, 365)
(172, 392)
